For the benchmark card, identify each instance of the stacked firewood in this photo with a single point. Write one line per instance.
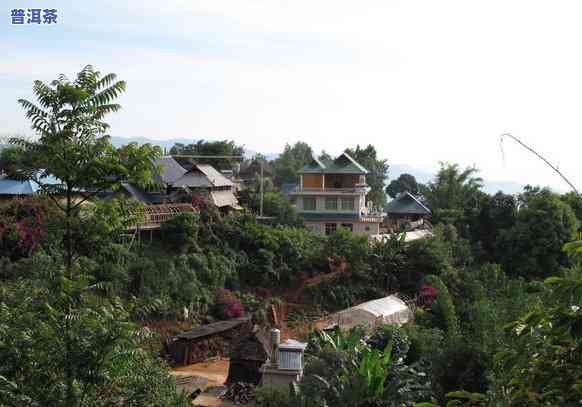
(207, 348)
(239, 392)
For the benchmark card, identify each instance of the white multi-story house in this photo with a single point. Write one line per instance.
(333, 194)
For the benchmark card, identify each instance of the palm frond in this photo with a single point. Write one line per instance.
(108, 94)
(106, 81)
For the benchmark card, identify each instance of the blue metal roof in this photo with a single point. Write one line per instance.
(14, 187)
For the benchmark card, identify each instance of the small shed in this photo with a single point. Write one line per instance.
(246, 358)
(387, 310)
(405, 212)
(206, 341)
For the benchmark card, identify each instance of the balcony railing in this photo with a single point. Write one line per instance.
(351, 190)
(372, 215)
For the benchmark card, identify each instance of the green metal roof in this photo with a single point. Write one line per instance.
(407, 204)
(343, 164)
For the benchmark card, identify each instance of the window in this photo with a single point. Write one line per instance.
(331, 203)
(330, 228)
(308, 203)
(348, 226)
(347, 204)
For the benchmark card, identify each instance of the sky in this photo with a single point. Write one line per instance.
(422, 80)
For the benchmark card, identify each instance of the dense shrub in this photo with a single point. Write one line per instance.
(393, 335)
(426, 296)
(459, 366)
(180, 232)
(444, 308)
(423, 342)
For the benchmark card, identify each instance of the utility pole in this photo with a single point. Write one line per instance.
(262, 181)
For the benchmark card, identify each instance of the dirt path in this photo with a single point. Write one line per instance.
(213, 373)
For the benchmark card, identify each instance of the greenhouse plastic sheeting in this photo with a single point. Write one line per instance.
(387, 310)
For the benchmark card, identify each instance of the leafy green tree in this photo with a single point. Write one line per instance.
(62, 344)
(404, 183)
(388, 260)
(452, 188)
(497, 213)
(531, 248)
(378, 172)
(551, 341)
(211, 148)
(325, 156)
(89, 351)
(290, 161)
(72, 145)
(575, 202)
(277, 206)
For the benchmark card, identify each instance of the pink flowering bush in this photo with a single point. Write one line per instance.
(21, 228)
(426, 295)
(227, 305)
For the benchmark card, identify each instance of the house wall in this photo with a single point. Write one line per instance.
(341, 180)
(332, 180)
(361, 228)
(312, 181)
(320, 203)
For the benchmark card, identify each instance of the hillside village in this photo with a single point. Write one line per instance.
(139, 276)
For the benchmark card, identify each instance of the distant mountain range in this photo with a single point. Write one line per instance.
(395, 170)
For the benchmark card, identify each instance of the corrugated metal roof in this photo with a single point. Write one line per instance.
(193, 179)
(214, 176)
(137, 194)
(406, 203)
(14, 187)
(224, 198)
(202, 176)
(212, 329)
(170, 170)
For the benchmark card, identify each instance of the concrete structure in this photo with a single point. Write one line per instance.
(286, 363)
(333, 194)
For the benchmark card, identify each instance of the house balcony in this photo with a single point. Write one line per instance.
(373, 215)
(365, 216)
(355, 190)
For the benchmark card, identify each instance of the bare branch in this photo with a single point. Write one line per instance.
(541, 158)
